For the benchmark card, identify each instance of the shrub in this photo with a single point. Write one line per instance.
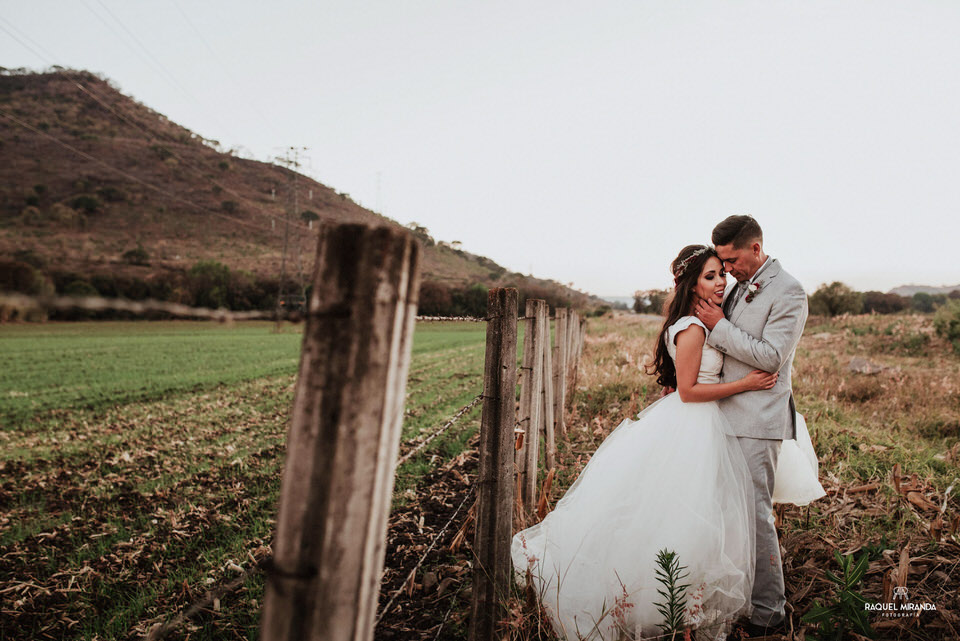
(835, 299)
(946, 322)
(86, 203)
(229, 206)
(162, 152)
(137, 256)
(29, 257)
(40, 189)
(33, 200)
(80, 288)
(308, 215)
(922, 302)
(19, 276)
(64, 215)
(223, 165)
(111, 194)
(32, 216)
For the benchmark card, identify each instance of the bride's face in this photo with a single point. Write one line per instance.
(712, 281)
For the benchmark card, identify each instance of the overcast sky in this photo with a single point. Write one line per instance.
(586, 142)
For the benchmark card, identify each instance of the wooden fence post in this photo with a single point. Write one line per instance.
(344, 436)
(559, 370)
(494, 525)
(531, 403)
(573, 333)
(581, 336)
(546, 391)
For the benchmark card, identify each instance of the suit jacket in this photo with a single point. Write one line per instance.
(762, 334)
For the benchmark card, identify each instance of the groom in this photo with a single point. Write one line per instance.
(758, 327)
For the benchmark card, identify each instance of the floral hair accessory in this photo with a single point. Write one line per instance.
(682, 267)
(752, 290)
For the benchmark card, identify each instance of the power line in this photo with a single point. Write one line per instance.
(219, 61)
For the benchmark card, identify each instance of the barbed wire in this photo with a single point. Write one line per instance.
(470, 319)
(463, 410)
(413, 572)
(98, 303)
(102, 303)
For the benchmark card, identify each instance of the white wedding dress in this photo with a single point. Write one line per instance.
(674, 478)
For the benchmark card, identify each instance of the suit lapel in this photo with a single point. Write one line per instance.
(771, 272)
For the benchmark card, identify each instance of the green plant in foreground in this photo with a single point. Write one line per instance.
(846, 613)
(669, 576)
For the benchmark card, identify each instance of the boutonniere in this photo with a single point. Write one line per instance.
(752, 290)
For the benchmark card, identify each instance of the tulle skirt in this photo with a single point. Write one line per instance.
(798, 470)
(675, 479)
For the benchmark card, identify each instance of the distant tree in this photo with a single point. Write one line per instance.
(309, 216)
(922, 302)
(650, 301)
(209, 282)
(880, 303)
(435, 299)
(835, 299)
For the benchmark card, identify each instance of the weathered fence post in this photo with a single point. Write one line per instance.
(344, 437)
(531, 403)
(559, 370)
(573, 333)
(580, 338)
(491, 565)
(546, 389)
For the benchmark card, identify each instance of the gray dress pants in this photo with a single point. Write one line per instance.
(768, 591)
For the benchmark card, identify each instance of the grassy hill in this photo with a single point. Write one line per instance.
(92, 182)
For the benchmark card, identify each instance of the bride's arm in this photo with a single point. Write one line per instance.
(689, 350)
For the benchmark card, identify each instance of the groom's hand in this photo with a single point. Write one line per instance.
(709, 313)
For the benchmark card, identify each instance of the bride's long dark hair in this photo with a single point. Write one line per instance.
(686, 268)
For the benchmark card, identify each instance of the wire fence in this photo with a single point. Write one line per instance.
(410, 576)
(265, 565)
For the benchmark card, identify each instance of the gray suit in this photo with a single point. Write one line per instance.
(763, 334)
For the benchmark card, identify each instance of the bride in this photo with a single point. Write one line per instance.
(674, 478)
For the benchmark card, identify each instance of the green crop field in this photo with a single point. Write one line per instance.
(141, 465)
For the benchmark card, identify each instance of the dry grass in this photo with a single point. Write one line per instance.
(887, 444)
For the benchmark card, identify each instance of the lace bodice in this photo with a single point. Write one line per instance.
(711, 362)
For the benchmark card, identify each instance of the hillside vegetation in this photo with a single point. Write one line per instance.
(101, 194)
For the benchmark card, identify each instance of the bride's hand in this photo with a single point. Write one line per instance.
(758, 380)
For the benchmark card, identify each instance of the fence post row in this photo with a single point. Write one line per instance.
(494, 524)
(531, 402)
(344, 437)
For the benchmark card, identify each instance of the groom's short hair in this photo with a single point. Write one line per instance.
(739, 231)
